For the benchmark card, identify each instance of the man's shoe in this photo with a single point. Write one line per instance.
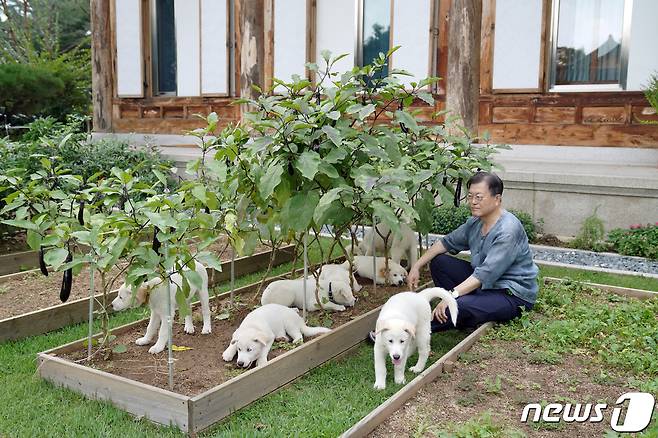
(371, 338)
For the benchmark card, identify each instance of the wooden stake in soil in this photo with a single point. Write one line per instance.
(92, 268)
(305, 271)
(170, 335)
(232, 275)
(374, 255)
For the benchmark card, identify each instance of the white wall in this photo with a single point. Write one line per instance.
(188, 47)
(289, 38)
(214, 56)
(517, 44)
(128, 21)
(411, 30)
(336, 31)
(643, 50)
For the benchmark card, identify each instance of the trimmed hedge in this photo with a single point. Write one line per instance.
(448, 218)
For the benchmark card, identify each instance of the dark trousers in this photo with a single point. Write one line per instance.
(480, 305)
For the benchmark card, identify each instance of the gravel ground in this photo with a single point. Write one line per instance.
(579, 258)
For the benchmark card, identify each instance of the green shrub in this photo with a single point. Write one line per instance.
(527, 222)
(591, 235)
(45, 88)
(448, 218)
(638, 241)
(27, 89)
(68, 141)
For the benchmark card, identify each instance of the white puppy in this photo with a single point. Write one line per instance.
(338, 272)
(334, 295)
(402, 244)
(155, 293)
(257, 332)
(404, 324)
(363, 265)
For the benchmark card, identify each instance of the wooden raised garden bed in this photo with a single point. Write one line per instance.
(58, 316)
(194, 410)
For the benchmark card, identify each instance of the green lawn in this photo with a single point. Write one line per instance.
(325, 402)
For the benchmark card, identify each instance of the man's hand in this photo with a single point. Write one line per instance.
(440, 311)
(413, 277)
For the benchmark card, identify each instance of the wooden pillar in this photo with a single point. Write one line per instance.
(251, 42)
(101, 65)
(463, 80)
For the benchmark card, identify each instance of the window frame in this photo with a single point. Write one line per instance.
(155, 83)
(552, 55)
(433, 36)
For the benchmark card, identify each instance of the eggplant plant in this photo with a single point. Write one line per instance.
(348, 147)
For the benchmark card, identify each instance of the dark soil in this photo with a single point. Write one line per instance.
(550, 240)
(32, 291)
(13, 243)
(202, 367)
(500, 378)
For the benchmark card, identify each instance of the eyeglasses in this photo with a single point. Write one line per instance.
(475, 198)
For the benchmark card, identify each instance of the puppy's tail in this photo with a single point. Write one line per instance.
(313, 331)
(438, 292)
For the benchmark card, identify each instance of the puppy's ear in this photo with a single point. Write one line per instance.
(381, 326)
(260, 337)
(142, 295)
(383, 273)
(410, 329)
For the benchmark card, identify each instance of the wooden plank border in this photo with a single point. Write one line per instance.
(619, 290)
(204, 410)
(12, 263)
(383, 411)
(156, 404)
(55, 317)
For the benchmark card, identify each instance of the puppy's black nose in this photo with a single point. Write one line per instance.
(396, 356)
(240, 363)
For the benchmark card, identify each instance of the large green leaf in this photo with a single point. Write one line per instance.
(386, 215)
(335, 155)
(162, 220)
(21, 223)
(55, 257)
(308, 163)
(366, 111)
(425, 207)
(270, 180)
(328, 170)
(210, 260)
(325, 202)
(298, 212)
(33, 239)
(333, 134)
(407, 119)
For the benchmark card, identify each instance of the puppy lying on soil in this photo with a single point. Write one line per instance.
(334, 295)
(154, 292)
(404, 325)
(257, 332)
(363, 265)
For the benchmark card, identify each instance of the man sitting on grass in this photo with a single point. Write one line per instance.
(501, 278)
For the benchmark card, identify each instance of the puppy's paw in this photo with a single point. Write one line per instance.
(142, 341)
(227, 356)
(400, 380)
(156, 349)
(189, 329)
(379, 386)
(416, 369)
(206, 330)
(340, 308)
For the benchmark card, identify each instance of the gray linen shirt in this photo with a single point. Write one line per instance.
(502, 259)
